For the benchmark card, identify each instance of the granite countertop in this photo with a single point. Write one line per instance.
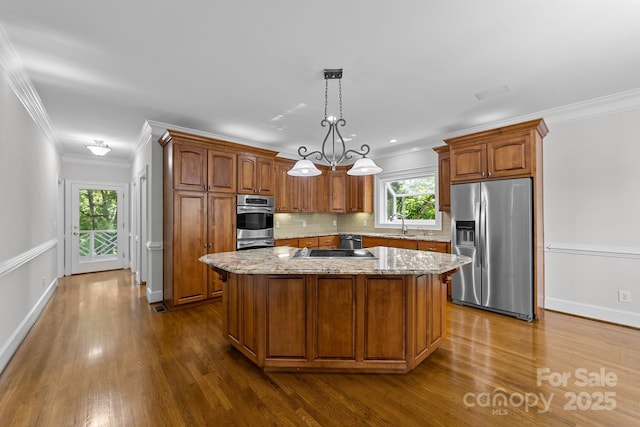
(367, 234)
(279, 260)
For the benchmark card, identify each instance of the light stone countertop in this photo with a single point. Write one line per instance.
(425, 237)
(279, 260)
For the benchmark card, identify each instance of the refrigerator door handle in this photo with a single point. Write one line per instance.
(479, 244)
(483, 234)
(481, 228)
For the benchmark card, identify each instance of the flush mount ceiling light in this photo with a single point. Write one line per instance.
(99, 148)
(339, 152)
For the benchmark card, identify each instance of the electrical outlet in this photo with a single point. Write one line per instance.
(364, 222)
(304, 223)
(277, 224)
(624, 296)
(335, 223)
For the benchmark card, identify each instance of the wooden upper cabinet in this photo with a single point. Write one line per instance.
(469, 163)
(221, 171)
(282, 185)
(190, 168)
(318, 193)
(509, 156)
(337, 183)
(507, 152)
(360, 193)
(255, 174)
(444, 178)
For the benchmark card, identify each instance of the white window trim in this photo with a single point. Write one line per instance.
(379, 208)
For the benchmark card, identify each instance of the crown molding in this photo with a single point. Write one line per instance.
(19, 81)
(159, 128)
(608, 104)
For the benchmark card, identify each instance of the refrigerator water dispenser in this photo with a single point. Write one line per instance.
(465, 233)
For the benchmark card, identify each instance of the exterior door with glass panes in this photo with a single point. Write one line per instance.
(97, 228)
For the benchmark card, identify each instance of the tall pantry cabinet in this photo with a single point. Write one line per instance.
(199, 204)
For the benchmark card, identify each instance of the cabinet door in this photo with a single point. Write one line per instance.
(468, 163)
(189, 244)
(318, 193)
(265, 177)
(337, 190)
(190, 168)
(304, 194)
(283, 187)
(221, 171)
(509, 157)
(247, 177)
(222, 232)
(360, 193)
(444, 178)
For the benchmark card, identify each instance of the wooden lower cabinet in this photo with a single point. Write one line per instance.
(221, 233)
(320, 242)
(433, 246)
(335, 323)
(423, 245)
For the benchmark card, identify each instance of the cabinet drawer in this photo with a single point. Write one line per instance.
(328, 242)
(308, 242)
(287, 242)
(433, 246)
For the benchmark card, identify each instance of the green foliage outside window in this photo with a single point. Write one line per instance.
(414, 198)
(98, 209)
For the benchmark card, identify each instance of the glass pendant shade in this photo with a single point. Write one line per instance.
(364, 166)
(304, 167)
(99, 148)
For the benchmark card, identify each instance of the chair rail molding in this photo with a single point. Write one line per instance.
(18, 261)
(593, 250)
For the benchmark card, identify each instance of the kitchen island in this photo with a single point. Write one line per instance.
(385, 314)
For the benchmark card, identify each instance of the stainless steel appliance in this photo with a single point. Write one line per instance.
(350, 241)
(254, 221)
(492, 222)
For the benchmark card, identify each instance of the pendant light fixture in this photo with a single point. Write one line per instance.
(99, 148)
(339, 152)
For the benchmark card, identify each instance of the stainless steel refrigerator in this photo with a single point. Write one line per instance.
(492, 222)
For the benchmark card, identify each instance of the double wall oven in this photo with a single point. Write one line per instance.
(254, 221)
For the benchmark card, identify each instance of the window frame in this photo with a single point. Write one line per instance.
(380, 199)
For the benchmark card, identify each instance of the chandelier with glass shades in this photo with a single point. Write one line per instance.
(99, 148)
(339, 152)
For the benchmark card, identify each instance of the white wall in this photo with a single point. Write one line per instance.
(148, 157)
(592, 216)
(29, 170)
(98, 170)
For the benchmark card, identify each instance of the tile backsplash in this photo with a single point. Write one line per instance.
(287, 225)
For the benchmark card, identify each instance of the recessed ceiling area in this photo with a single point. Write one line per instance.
(413, 70)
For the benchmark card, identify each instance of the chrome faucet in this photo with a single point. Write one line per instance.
(397, 215)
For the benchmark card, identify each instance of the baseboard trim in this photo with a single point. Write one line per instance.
(606, 314)
(16, 338)
(153, 296)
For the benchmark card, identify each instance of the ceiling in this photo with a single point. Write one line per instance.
(253, 71)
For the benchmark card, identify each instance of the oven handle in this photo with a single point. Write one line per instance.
(254, 209)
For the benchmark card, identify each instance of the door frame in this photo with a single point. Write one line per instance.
(123, 188)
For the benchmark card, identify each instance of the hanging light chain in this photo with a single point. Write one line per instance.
(326, 96)
(340, 94)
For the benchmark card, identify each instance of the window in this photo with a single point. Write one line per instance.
(411, 193)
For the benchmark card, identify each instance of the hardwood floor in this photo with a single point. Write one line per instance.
(100, 355)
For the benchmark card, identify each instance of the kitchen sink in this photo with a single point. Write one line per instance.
(333, 253)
